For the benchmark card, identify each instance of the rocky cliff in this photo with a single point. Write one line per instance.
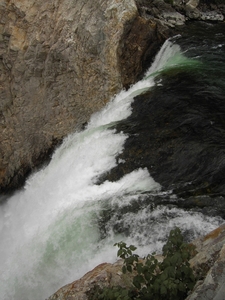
(61, 61)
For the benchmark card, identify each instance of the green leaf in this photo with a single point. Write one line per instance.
(133, 248)
(164, 276)
(163, 290)
(137, 281)
(181, 287)
(129, 268)
(139, 267)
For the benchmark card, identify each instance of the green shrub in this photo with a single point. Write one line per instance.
(170, 279)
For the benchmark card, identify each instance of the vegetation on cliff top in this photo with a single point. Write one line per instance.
(170, 279)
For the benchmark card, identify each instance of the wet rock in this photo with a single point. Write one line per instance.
(136, 50)
(205, 11)
(192, 3)
(167, 14)
(192, 13)
(210, 205)
(212, 16)
(173, 18)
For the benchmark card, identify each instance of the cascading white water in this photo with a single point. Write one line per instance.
(49, 231)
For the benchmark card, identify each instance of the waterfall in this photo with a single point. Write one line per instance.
(50, 230)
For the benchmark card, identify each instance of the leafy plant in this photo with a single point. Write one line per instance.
(170, 279)
(112, 293)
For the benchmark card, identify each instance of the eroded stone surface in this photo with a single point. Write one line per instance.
(60, 61)
(211, 258)
(208, 248)
(103, 275)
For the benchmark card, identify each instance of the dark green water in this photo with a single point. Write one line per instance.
(177, 129)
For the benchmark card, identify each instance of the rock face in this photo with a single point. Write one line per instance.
(60, 61)
(210, 264)
(103, 275)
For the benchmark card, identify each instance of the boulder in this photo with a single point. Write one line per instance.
(212, 16)
(192, 3)
(204, 10)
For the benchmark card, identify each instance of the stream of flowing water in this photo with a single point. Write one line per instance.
(51, 230)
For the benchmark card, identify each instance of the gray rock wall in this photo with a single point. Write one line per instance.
(58, 64)
(209, 265)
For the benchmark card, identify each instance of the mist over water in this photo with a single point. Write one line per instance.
(53, 231)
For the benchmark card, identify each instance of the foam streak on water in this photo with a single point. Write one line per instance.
(49, 231)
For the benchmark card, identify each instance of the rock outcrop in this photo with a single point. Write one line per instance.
(103, 275)
(208, 263)
(61, 61)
